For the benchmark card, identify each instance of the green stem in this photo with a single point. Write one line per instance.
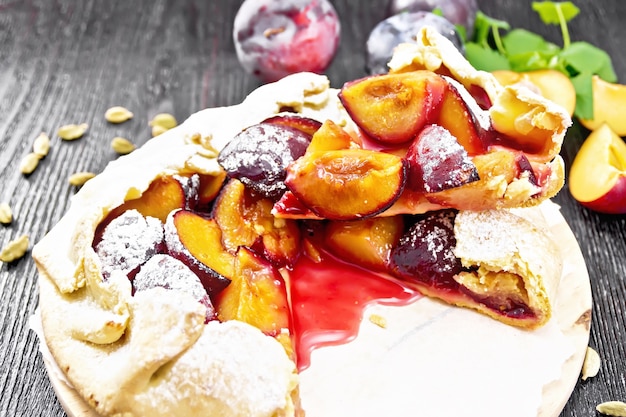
(498, 40)
(563, 24)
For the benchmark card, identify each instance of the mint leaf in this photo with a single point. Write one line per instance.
(553, 13)
(583, 57)
(530, 61)
(519, 41)
(485, 58)
(584, 95)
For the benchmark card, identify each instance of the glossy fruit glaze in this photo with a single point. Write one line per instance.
(328, 300)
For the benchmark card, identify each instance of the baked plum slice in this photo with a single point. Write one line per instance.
(127, 241)
(257, 296)
(167, 272)
(347, 184)
(393, 108)
(366, 242)
(163, 195)
(330, 137)
(246, 219)
(302, 123)
(197, 242)
(424, 254)
(437, 162)
(259, 154)
(457, 117)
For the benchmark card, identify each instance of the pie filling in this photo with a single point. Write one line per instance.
(309, 222)
(305, 282)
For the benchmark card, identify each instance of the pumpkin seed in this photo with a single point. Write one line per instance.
(118, 114)
(41, 146)
(158, 129)
(591, 365)
(29, 163)
(165, 120)
(122, 145)
(6, 214)
(72, 132)
(79, 178)
(15, 249)
(378, 320)
(612, 408)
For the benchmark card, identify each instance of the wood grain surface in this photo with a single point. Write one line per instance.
(67, 61)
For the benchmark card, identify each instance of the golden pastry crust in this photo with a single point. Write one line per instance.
(509, 259)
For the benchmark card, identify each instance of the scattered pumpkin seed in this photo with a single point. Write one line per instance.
(591, 365)
(118, 114)
(612, 408)
(122, 145)
(378, 320)
(6, 214)
(41, 146)
(158, 129)
(72, 132)
(79, 178)
(29, 163)
(15, 249)
(165, 120)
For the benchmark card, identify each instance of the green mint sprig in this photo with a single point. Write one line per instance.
(521, 50)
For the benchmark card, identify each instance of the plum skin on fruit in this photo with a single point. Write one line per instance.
(402, 28)
(438, 162)
(425, 252)
(597, 177)
(258, 156)
(458, 12)
(277, 38)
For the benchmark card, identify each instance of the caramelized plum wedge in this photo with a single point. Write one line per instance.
(366, 242)
(128, 241)
(393, 108)
(247, 220)
(196, 241)
(165, 193)
(258, 296)
(167, 272)
(258, 156)
(329, 137)
(437, 162)
(424, 254)
(301, 123)
(455, 115)
(347, 184)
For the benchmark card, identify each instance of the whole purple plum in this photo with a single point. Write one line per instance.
(275, 38)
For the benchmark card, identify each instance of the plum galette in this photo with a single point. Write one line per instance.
(188, 277)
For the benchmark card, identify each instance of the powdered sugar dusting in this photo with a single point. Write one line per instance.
(129, 241)
(486, 235)
(425, 251)
(437, 161)
(165, 271)
(232, 369)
